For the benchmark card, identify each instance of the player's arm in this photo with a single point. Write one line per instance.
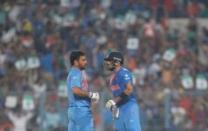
(113, 104)
(79, 92)
(75, 82)
(124, 96)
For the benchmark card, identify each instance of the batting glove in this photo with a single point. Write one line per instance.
(94, 96)
(115, 112)
(111, 105)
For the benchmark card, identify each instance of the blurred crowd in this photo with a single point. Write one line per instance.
(169, 66)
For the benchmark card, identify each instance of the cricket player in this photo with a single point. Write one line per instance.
(124, 106)
(79, 95)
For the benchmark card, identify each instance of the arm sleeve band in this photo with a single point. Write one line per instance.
(124, 98)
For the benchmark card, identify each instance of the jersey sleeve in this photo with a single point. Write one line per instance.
(126, 77)
(75, 80)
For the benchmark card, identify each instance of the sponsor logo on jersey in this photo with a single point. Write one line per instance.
(115, 87)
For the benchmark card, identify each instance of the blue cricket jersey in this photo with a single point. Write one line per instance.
(118, 81)
(77, 78)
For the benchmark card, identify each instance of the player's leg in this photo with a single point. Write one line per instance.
(71, 125)
(132, 119)
(86, 121)
(119, 123)
(71, 121)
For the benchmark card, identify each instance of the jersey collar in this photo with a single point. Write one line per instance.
(75, 68)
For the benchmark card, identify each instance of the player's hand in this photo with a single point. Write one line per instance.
(111, 105)
(94, 96)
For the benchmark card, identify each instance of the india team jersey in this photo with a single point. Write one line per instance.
(77, 78)
(119, 80)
